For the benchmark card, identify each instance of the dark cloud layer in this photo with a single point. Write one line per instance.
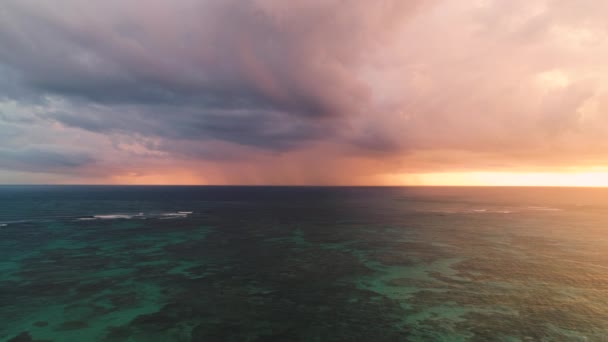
(43, 160)
(219, 54)
(258, 73)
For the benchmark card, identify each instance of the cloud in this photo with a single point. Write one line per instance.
(392, 86)
(256, 73)
(43, 160)
(293, 58)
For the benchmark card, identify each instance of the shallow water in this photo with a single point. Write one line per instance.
(303, 264)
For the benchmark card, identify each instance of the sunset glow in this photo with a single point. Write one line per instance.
(580, 179)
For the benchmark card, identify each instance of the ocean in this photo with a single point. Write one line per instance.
(147, 263)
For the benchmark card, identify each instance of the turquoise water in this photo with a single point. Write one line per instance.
(303, 264)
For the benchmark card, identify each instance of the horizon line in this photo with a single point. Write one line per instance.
(311, 185)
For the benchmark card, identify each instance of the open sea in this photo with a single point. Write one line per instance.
(137, 263)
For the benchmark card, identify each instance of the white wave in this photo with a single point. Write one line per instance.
(178, 214)
(127, 216)
(122, 216)
(116, 216)
(86, 219)
(3, 224)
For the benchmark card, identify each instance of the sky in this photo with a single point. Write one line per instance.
(323, 92)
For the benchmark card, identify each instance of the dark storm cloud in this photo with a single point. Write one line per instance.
(256, 73)
(220, 54)
(264, 129)
(43, 159)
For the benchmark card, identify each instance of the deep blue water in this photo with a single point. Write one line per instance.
(112, 263)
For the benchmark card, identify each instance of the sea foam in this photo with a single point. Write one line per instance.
(127, 216)
(113, 216)
(178, 214)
